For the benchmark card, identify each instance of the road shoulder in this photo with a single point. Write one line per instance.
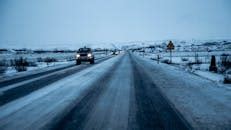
(204, 104)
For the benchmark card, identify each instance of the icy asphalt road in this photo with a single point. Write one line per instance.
(21, 85)
(124, 92)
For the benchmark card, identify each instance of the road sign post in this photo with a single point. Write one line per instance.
(170, 47)
(158, 59)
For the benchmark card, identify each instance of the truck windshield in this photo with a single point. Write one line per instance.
(84, 50)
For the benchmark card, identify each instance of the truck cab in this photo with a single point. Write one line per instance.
(85, 54)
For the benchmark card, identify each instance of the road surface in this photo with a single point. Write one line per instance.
(125, 92)
(19, 86)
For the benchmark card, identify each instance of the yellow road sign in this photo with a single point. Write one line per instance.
(170, 46)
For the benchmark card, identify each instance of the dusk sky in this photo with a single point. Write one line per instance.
(63, 23)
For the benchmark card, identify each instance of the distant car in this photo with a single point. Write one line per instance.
(227, 77)
(85, 54)
(115, 53)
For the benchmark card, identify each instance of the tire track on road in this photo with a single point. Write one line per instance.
(30, 87)
(79, 115)
(44, 107)
(152, 110)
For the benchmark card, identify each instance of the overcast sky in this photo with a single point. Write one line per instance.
(60, 23)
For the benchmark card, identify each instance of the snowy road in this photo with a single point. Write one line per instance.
(124, 92)
(19, 86)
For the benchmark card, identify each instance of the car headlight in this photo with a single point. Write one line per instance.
(78, 55)
(89, 55)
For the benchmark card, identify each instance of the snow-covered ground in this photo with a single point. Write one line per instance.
(62, 59)
(210, 75)
(11, 71)
(35, 56)
(201, 69)
(187, 53)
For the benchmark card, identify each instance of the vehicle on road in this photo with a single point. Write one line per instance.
(114, 53)
(85, 54)
(227, 77)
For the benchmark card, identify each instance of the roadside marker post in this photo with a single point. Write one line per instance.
(158, 59)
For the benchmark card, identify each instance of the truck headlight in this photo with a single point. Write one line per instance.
(89, 55)
(78, 55)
